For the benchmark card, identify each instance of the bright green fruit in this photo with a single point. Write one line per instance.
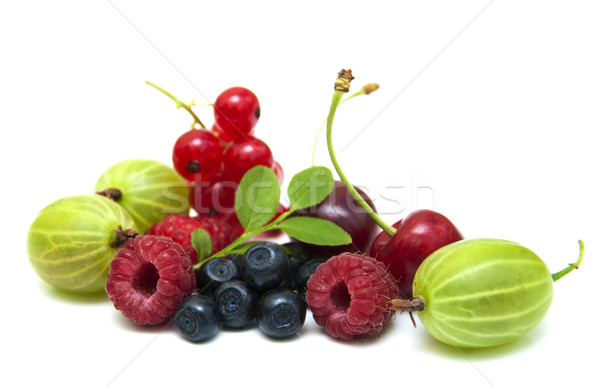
(482, 292)
(149, 190)
(73, 240)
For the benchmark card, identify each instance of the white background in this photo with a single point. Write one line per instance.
(493, 105)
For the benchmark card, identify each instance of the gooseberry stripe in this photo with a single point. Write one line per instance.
(496, 318)
(470, 328)
(489, 293)
(501, 261)
(71, 259)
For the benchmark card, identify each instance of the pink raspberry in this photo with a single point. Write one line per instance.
(180, 229)
(349, 294)
(148, 278)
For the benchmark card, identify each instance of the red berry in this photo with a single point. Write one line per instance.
(242, 155)
(212, 197)
(180, 229)
(223, 136)
(197, 155)
(348, 295)
(276, 167)
(236, 112)
(148, 278)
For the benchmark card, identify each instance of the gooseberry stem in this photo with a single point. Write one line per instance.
(342, 85)
(180, 104)
(572, 266)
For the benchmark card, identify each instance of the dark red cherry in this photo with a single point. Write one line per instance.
(340, 208)
(417, 236)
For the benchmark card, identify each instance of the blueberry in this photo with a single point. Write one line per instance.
(236, 301)
(265, 265)
(215, 272)
(280, 313)
(197, 318)
(304, 272)
(298, 254)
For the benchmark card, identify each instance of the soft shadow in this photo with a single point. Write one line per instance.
(126, 324)
(81, 298)
(530, 340)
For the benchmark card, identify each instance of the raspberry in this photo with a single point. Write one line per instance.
(349, 294)
(180, 229)
(148, 278)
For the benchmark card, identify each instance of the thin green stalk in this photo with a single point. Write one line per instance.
(335, 102)
(572, 266)
(179, 104)
(365, 90)
(247, 235)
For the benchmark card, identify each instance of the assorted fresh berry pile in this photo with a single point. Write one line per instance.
(200, 255)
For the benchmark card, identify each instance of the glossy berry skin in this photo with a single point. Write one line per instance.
(280, 313)
(217, 196)
(197, 318)
(197, 155)
(236, 113)
(214, 273)
(304, 272)
(340, 208)
(418, 235)
(482, 292)
(298, 254)
(265, 266)
(278, 169)
(242, 155)
(236, 301)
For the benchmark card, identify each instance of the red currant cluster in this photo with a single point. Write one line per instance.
(214, 161)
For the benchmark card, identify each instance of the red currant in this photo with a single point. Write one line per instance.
(276, 167)
(242, 155)
(217, 131)
(216, 196)
(236, 112)
(197, 155)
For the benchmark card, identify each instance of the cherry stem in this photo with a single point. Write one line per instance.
(572, 266)
(180, 104)
(342, 86)
(365, 90)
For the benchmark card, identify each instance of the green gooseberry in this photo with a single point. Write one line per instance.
(149, 190)
(72, 241)
(482, 292)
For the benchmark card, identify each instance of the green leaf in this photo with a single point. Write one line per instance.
(257, 197)
(310, 187)
(201, 243)
(315, 231)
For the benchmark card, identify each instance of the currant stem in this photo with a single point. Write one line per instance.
(572, 266)
(341, 88)
(365, 90)
(179, 104)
